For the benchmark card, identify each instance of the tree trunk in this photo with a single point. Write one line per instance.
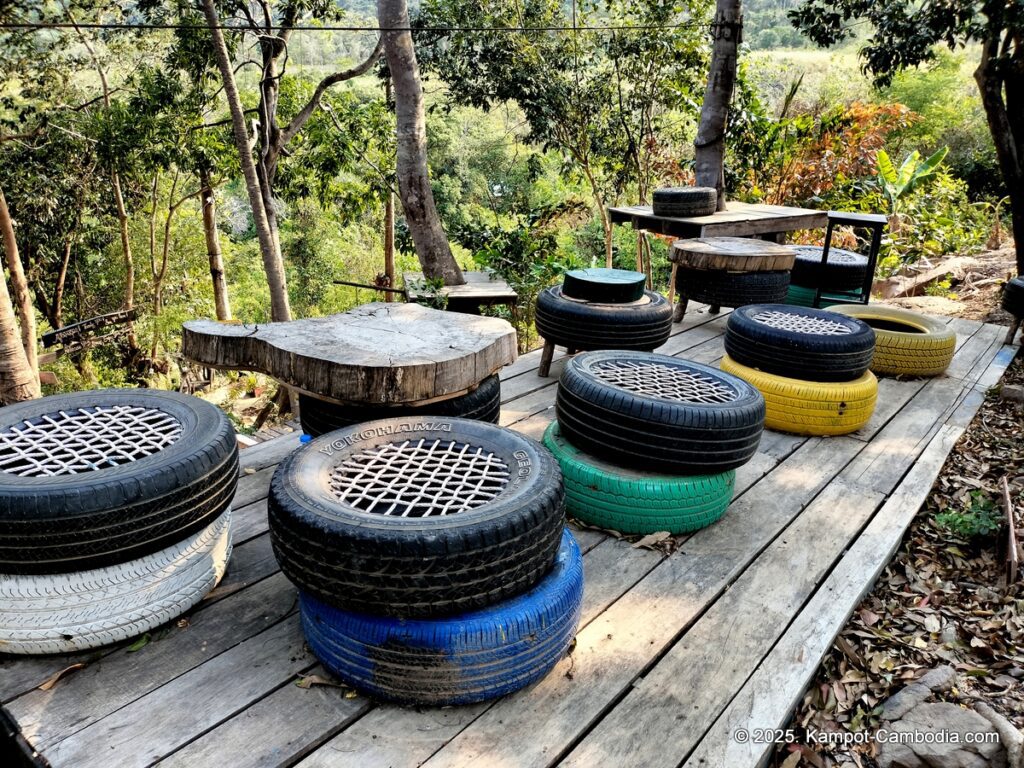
(22, 297)
(709, 165)
(18, 378)
(220, 286)
(1006, 124)
(431, 243)
(389, 242)
(273, 264)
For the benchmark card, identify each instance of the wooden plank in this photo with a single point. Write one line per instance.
(189, 705)
(680, 698)
(768, 697)
(302, 719)
(535, 726)
(266, 454)
(485, 287)
(90, 694)
(252, 487)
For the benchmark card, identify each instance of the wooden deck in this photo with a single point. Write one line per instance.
(673, 655)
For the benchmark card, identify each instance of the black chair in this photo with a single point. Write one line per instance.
(873, 221)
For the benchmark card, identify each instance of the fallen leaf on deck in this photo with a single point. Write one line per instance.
(139, 644)
(648, 541)
(308, 681)
(52, 679)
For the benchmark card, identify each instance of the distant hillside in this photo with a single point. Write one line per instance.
(765, 24)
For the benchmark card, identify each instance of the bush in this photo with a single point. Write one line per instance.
(980, 520)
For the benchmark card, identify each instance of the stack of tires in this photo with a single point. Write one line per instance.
(114, 515)
(811, 366)
(841, 280)
(603, 309)
(650, 443)
(431, 557)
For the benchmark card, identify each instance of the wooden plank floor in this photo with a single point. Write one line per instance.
(674, 653)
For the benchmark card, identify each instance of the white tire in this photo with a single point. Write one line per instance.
(63, 612)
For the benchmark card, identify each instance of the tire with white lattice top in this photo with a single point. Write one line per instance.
(61, 613)
(658, 413)
(800, 342)
(416, 517)
(92, 479)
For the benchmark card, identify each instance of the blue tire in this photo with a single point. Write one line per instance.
(458, 659)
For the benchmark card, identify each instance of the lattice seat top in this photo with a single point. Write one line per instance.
(70, 442)
(678, 382)
(800, 322)
(424, 477)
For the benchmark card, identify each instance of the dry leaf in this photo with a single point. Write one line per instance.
(792, 761)
(308, 681)
(648, 541)
(52, 679)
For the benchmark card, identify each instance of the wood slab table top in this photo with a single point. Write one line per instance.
(376, 353)
(481, 287)
(737, 220)
(737, 254)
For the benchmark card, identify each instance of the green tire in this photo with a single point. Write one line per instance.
(799, 296)
(629, 501)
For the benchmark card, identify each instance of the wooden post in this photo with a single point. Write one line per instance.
(1012, 551)
(640, 236)
(389, 241)
(1014, 327)
(672, 283)
(545, 358)
(680, 310)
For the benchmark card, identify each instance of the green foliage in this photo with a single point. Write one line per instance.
(430, 291)
(934, 221)
(944, 97)
(981, 519)
(912, 173)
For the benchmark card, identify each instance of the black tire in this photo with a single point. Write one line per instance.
(348, 555)
(671, 431)
(721, 288)
(685, 201)
(1013, 297)
(319, 417)
(605, 286)
(15, 751)
(91, 518)
(846, 270)
(800, 342)
(642, 325)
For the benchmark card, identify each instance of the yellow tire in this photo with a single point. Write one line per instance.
(811, 407)
(906, 343)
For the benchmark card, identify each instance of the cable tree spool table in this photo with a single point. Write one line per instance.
(729, 271)
(380, 353)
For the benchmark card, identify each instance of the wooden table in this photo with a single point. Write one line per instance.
(737, 220)
(377, 353)
(481, 289)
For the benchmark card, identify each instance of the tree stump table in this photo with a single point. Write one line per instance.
(380, 353)
(729, 271)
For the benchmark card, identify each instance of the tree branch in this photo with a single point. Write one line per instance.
(306, 112)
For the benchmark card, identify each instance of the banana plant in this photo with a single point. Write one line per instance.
(911, 174)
